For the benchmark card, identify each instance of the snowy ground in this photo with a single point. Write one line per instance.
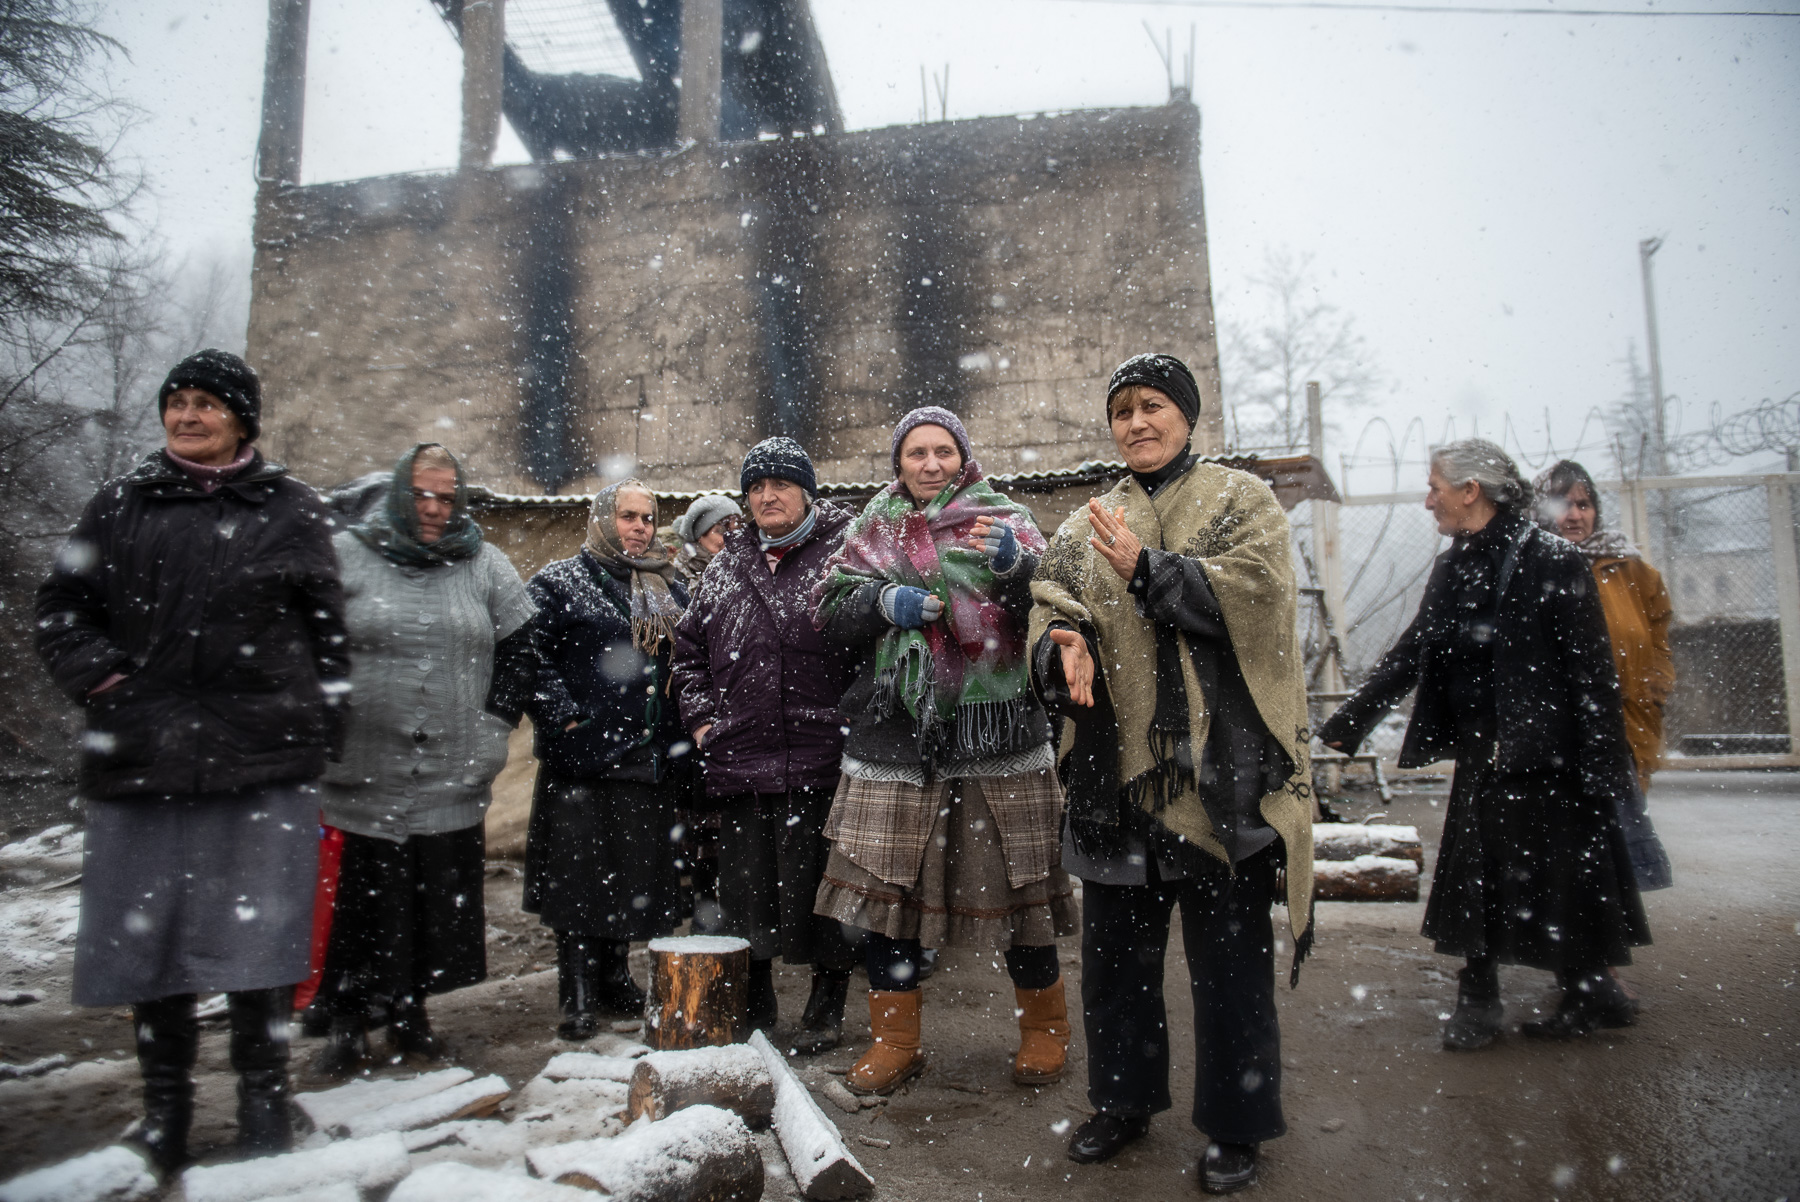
(1701, 1099)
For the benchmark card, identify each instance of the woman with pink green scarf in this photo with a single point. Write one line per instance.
(945, 825)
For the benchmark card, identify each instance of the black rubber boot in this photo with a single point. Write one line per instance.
(609, 967)
(168, 1043)
(822, 1022)
(409, 1031)
(764, 1008)
(1476, 1022)
(1590, 1001)
(575, 988)
(346, 1048)
(315, 1020)
(259, 1054)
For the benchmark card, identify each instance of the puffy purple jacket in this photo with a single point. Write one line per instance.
(748, 660)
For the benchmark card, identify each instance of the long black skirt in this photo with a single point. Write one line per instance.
(1530, 871)
(409, 920)
(601, 857)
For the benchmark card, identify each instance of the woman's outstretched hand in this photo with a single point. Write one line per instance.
(1114, 539)
(1077, 665)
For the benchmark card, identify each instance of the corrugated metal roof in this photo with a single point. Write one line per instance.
(1297, 474)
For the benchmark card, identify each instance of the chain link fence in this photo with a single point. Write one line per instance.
(1725, 547)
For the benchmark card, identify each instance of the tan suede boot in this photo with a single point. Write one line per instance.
(1043, 1035)
(894, 1057)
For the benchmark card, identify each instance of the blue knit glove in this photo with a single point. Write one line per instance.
(1002, 547)
(910, 608)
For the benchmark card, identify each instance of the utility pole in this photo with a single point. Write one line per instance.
(1646, 248)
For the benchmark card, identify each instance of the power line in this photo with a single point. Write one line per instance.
(1453, 10)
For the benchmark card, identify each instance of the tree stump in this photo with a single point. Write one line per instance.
(699, 992)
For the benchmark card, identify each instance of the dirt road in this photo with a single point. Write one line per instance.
(1701, 1099)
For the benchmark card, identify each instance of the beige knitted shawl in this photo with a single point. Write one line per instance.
(1230, 521)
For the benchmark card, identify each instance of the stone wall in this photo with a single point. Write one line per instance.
(563, 324)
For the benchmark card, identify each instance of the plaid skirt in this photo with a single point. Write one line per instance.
(961, 896)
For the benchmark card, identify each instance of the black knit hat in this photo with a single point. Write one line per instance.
(225, 376)
(1166, 374)
(779, 458)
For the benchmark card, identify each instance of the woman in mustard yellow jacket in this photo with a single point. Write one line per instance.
(1636, 604)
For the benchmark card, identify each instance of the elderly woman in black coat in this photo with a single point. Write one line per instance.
(600, 856)
(1516, 684)
(197, 615)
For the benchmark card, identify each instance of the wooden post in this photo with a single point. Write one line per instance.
(702, 46)
(484, 58)
(699, 992)
(284, 92)
(1787, 597)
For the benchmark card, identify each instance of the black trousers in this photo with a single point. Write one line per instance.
(1229, 941)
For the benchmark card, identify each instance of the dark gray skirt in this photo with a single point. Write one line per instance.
(196, 894)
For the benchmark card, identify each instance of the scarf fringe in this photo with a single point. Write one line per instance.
(1303, 946)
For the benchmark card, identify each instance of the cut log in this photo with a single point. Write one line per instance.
(699, 992)
(823, 1167)
(733, 1077)
(369, 1164)
(115, 1174)
(330, 1107)
(470, 1100)
(701, 1154)
(448, 1181)
(1366, 878)
(585, 1066)
(1348, 840)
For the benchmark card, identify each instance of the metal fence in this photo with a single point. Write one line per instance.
(1725, 546)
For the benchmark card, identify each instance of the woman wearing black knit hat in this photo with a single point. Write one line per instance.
(196, 615)
(1164, 630)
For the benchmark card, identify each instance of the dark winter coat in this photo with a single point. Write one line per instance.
(590, 672)
(748, 661)
(1516, 683)
(225, 614)
(1556, 695)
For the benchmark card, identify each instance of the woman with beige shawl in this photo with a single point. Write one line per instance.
(1163, 628)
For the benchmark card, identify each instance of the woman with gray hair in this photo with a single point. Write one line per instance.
(1516, 684)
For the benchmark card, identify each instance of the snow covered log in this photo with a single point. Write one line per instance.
(368, 1164)
(823, 1167)
(1348, 840)
(701, 1154)
(585, 1066)
(471, 1099)
(448, 1181)
(699, 991)
(733, 1077)
(333, 1107)
(115, 1174)
(1366, 878)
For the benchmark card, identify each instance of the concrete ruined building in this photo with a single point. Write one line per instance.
(699, 256)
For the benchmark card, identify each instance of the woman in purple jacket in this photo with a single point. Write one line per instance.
(759, 691)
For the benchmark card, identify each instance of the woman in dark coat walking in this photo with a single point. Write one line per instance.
(1516, 684)
(197, 616)
(443, 666)
(613, 760)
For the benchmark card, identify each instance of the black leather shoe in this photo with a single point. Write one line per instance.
(346, 1050)
(1589, 1002)
(410, 1033)
(1105, 1135)
(1228, 1168)
(1474, 1025)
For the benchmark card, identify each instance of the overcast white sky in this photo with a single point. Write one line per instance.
(1471, 188)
